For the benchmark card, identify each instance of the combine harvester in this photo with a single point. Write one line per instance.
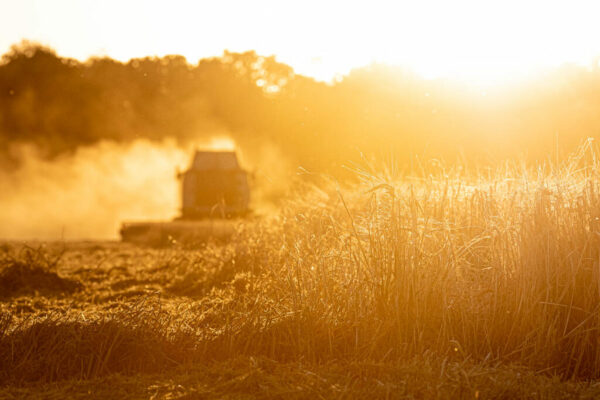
(214, 190)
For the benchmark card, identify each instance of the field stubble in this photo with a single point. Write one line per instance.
(493, 272)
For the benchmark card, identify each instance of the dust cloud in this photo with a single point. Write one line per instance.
(90, 192)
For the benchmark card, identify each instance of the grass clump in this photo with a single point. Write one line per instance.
(140, 337)
(32, 271)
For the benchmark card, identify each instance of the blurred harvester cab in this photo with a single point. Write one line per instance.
(214, 186)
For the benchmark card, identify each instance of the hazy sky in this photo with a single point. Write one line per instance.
(476, 40)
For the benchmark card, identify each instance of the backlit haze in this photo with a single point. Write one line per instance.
(85, 146)
(480, 42)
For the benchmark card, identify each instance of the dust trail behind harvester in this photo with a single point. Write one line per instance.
(86, 194)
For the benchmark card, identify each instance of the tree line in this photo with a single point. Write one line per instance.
(379, 111)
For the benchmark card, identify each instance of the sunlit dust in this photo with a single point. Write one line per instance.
(219, 143)
(88, 194)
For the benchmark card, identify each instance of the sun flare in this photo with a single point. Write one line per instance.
(473, 41)
(217, 143)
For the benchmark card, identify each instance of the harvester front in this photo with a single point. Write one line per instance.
(214, 190)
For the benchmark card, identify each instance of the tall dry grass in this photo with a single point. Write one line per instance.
(498, 266)
(501, 266)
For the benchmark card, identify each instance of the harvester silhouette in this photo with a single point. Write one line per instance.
(214, 189)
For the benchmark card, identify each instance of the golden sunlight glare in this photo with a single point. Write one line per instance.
(219, 143)
(478, 41)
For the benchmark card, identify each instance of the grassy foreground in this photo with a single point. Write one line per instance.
(260, 378)
(453, 286)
